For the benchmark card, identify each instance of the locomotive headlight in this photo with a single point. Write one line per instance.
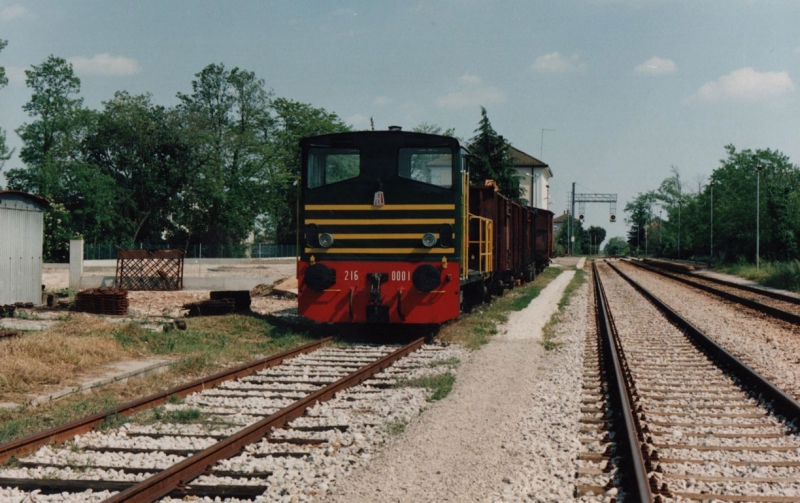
(325, 240)
(429, 239)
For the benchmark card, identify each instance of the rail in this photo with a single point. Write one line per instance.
(65, 432)
(164, 483)
(622, 395)
(750, 378)
(752, 304)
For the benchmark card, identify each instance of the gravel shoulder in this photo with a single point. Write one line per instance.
(476, 444)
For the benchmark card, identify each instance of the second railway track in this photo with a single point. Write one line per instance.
(705, 433)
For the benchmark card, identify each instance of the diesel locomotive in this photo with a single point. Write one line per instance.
(390, 230)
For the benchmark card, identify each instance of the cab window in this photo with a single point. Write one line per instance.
(433, 166)
(331, 165)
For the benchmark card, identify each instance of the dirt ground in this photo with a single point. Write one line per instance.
(143, 304)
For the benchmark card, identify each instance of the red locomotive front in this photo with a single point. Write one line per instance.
(379, 217)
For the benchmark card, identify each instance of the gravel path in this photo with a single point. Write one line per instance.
(490, 439)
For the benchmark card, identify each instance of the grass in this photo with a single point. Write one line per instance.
(783, 275)
(548, 331)
(440, 385)
(396, 427)
(477, 328)
(52, 359)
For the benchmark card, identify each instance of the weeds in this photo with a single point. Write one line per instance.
(396, 427)
(178, 416)
(548, 331)
(439, 384)
(783, 275)
(475, 329)
(450, 362)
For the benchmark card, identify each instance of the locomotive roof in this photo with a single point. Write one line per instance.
(335, 138)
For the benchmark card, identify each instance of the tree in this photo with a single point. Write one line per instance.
(138, 146)
(734, 184)
(52, 149)
(617, 247)
(5, 153)
(492, 160)
(227, 121)
(424, 127)
(581, 244)
(596, 237)
(640, 210)
(293, 121)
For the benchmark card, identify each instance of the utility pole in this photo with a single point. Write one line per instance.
(711, 228)
(572, 225)
(758, 217)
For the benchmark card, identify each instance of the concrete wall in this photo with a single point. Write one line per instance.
(100, 273)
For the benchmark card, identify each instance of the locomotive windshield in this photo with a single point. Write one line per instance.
(331, 165)
(433, 166)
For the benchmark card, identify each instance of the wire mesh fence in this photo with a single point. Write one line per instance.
(108, 251)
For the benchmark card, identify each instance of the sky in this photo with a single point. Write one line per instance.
(610, 93)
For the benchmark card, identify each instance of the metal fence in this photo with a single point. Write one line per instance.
(108, 251)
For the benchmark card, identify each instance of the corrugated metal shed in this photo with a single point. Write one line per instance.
(21, 240)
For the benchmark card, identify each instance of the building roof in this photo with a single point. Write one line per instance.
(524, 160)
(560, 218)
(34, 198)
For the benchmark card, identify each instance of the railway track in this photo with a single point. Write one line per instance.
(233, 436)
(776, 304)
(708, 427)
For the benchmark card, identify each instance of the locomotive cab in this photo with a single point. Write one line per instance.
(380, 220)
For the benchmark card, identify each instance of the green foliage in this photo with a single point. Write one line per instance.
(783, 275)
(426, 128)
(682, 228)
(293, 121)
(143, 161)
(440, 385)
(3, 78)
(641, 211)
(5, 153)
(216, 168)
(617, 247)
(396, 427)
(226, 121)
(582, 238)
(54, 165)
(176, 416)
(548, 334)
(492, 160)
(596, 237)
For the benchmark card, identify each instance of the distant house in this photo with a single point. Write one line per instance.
(559, 220)
(534, 179)
(22, 226)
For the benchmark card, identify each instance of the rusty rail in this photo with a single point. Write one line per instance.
(65, 432)
(752, 304)
(163, 483)
(753, 381)
(622, 394)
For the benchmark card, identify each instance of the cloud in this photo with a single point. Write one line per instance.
(745, 84)
(472, 92)
(381, 101)
(556, 63)
(656, 66)
(12, 12)
(15, 74)
(797, 50)
(106, 65)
